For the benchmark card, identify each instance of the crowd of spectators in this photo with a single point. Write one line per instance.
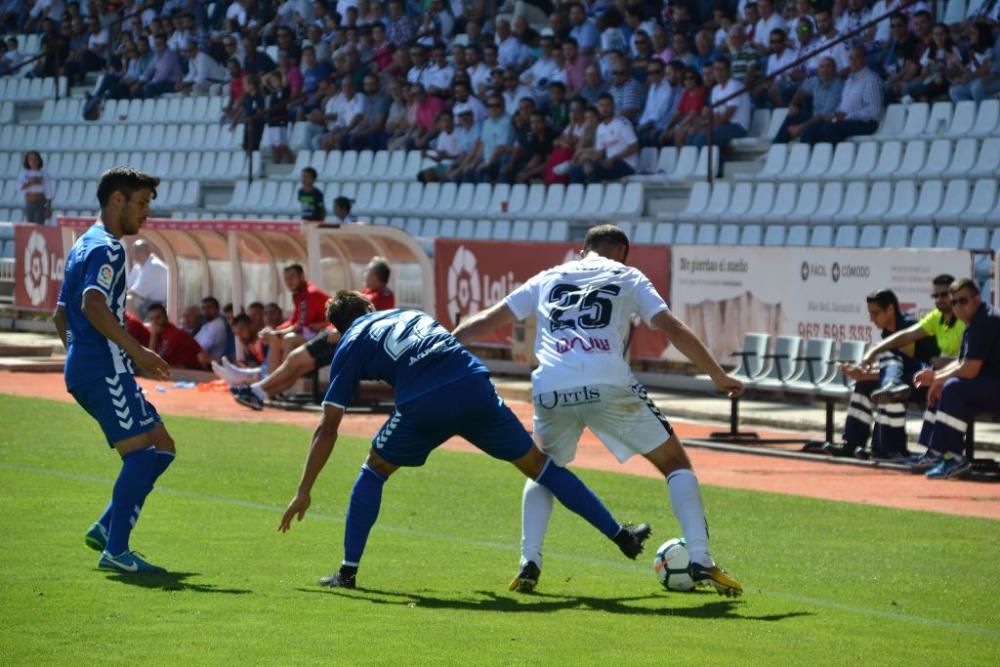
(527, 91)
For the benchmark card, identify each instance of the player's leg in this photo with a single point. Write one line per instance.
(362, 511)
(298, 363)
(685, 499)
(491, 426)
(860, 418)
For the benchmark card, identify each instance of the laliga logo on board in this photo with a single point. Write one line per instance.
(463, 285)
(36, 268)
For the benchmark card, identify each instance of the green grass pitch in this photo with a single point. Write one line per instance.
(826, 583)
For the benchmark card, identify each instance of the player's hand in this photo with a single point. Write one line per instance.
(868, 359)
(851, 371)
(923, 378)
(729, 385)
(300, 503)
(151, 364)
(934, 393)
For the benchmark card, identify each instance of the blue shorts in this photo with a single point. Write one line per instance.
(118, 405)
(469, 408)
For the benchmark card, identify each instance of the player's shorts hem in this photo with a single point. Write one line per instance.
(334, 404)
(321, 350)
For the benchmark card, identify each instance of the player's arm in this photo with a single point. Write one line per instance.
(966, 369)
(96, 310)
(484, 322)
(897, 340)
(323, 440)
(691, 347)
(59, 319)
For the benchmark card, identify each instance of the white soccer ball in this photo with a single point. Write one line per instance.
(671, 565)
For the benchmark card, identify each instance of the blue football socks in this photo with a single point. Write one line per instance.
(133, 484)
(575, 495)
(366, 499)
(162, 462)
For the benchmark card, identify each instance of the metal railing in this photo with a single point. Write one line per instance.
(771, 76)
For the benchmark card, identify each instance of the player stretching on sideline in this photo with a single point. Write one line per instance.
(100, 354)
(584, 310)
(442, 390)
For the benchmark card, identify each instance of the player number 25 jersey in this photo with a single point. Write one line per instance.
(95, 262)
(584, 310)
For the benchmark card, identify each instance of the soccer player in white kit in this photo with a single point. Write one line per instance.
(584, 311)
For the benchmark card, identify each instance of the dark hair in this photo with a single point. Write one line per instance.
(884, 298)
(125, 180)
(345, 307)
(344, 202)
(607, 96)
(156, 306)
(380, 266)
(310, 171)
(24, 163)
(297, 268)
(923, 12)
(210, 300)
(965, 283)
(242, 318)
(571, 40)
(943, 279)
(724, 59)
(605, 235)
(255, 304)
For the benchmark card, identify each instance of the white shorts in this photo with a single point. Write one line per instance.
(623, 418)
(276, 136)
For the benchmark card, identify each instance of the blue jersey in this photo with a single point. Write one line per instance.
(95, 262)
(407, 349)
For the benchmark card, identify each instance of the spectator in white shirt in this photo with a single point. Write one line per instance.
(860, 105)
(447, 149)
(204, 74)
(540, 74)
(659, 102)
(479, 74)
(732, 120)
(213, 336)
(441, 73)
(826, 34)
(420, 70)
(511, 52)
(853, 17)
(464, 99)
(147, 280)
(769, 20)
(784, 85)
(584, 31)
(615, 142)
(346, 110)
(513, 91)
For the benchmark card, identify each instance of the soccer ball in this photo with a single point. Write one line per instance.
(671, 565)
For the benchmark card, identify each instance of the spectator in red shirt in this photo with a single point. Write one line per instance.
(308, 317)
(248, 387)
(377, 284)
(177, 347)
(136, 329)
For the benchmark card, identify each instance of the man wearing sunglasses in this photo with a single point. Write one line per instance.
(964, 387)
(941, 324)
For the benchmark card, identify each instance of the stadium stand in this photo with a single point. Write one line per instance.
(931, 165)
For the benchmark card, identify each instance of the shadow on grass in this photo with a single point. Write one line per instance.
(173, 581)
(540, 603)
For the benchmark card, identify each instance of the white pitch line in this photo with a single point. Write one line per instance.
(618, 565)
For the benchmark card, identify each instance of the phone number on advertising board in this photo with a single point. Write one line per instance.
(862, 332)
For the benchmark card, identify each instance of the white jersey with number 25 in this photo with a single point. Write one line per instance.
(584, 310)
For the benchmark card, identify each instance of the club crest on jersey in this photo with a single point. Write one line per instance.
(105, 276)
(587, 344)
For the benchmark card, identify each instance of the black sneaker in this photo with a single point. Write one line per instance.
(837, 449)
(897, 392)
(339, 580)
(245, 396)
(630, 538)
(861, 454)
(526, 579)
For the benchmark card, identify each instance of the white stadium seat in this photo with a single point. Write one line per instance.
(855, 198)
(843, 160)
(751, 235)
(774, 235)
(922, 236)
(912, 163)
(956, 199)
(717, 203)
(774, 162)
(864, 160)
(988, 163)
(879, 199)
(870, 237)
(819, 163)
(664, 234)
(520, 230)
(896, 236)
(940, 119)
(784, 201)
(846, 237)
(892, 123)
(821, 236)
(763, 202)
(984, 195)
(963, 119)
(797, 236)
(976, 238)
(916, 120)
(931, 193)
(739, 202)
(697, 201)
(642, 232)
(987, 118)
(805, 206)
(949, 236)
(904, 200)
(706, 234)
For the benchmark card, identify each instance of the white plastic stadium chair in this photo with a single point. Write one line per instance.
(956, 200)
(984, 194)
(819, 163)
(896, 236)
(805, 206)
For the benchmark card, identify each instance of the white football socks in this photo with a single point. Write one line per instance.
(536, 509)
(685, 497)
(258, 391)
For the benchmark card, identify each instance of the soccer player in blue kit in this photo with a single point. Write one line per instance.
(99, 362)
(442, 390)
